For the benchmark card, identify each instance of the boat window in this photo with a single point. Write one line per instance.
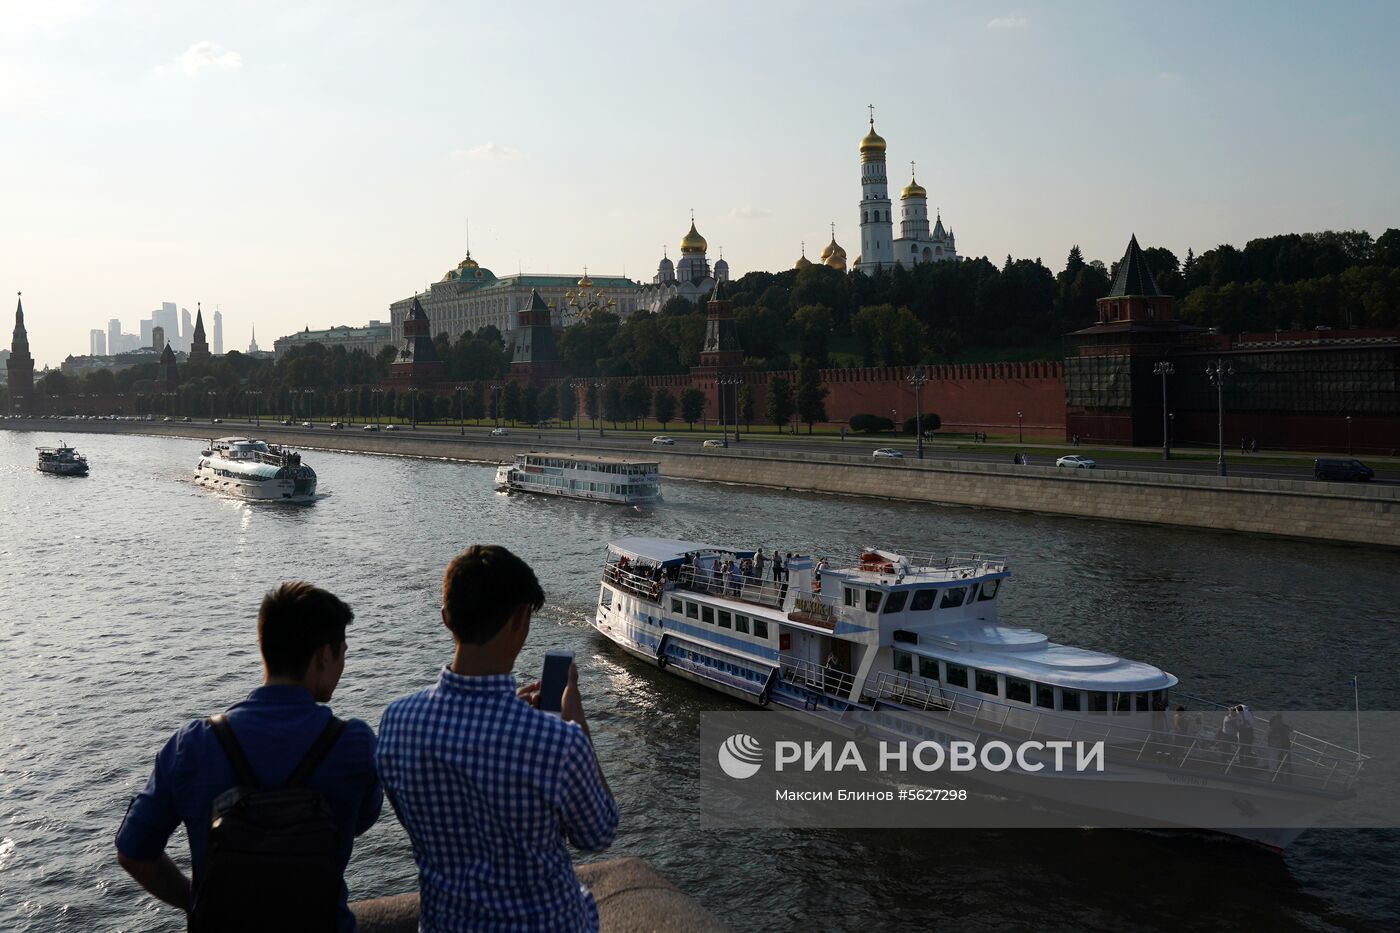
(972, 596)
(1018, 690)
(986, 682)
(923, 600)
(676, 606)
(1122, 702)
(1141, 703)
(989, 589)
(848, 595)
(872, 600)
(724, 618)
(760, 627)
(1044, 696)
(928, 667)
(953, 596)
(1069, 700)
(896, 601)
(1098, 702)
(908, 638)
(606, 599)
(741, 624)
(692, 611)
(707, 614)
(956, 676)
(904, 662)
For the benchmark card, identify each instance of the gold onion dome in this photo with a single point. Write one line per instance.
(585, 282)
(833, 250)
(913, 190)
(693, 242)
(468, 263)
(802, 262)
(872, 144)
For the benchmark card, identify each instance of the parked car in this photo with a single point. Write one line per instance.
(391, 427)
(713, 442)
(371, 427)
(338, 425)
(889, 453)
(1345, 469)
(663, 439)
(1077, 462)
(287, 421)
(499, 432)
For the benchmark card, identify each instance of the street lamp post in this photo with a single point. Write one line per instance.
(1348, 435)
(211, 393)
(257, 407)
(729, 381)
(413, 409)
(917, 378)
(578, 385)
(1219, 374)
(462, 410)
(1020, 435)
(600, 386)
(1164, 370)
(378, 396)
(309, 407)
(495, 405)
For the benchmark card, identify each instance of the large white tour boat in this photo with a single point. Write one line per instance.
(254, 469)
(61, 460)
(576, 476)
(906, 637)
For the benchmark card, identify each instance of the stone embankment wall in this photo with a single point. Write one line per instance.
(1348, 512)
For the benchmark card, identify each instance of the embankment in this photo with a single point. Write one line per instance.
(1344, 512)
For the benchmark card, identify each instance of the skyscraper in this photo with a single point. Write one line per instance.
(97, 343)
(158, 337)
(168, 317)
(218, 333)
(145, 334)
(115, 344)
(186, 331)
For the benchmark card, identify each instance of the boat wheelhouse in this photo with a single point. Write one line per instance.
(61, 461)
(904, 637)
(578, 476)
(254, 469)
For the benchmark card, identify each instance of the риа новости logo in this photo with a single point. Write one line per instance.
(740, 756)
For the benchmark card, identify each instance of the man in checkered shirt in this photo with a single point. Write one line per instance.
(488, 786)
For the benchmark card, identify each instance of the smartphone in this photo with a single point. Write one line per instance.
(554, 679)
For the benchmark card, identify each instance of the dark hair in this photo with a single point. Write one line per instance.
(482, 588)
(294, 621)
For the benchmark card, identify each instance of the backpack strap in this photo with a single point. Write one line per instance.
(242, 770)
(317, 753)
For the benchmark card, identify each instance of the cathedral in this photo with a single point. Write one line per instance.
(879, 247)
(691, 278)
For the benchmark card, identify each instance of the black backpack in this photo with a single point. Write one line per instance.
(273, 859)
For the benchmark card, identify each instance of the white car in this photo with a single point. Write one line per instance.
(713, 442)
(371, 427)
(499, 432)
(888, 452)
(391, 427)
(663, 439)
(307, 424)
(1076, 461)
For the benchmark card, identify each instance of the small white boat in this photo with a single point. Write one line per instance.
(899, 638)
(61, 461)
(255, 469)
(576, 476)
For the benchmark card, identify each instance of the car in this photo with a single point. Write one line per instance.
(218, 421)
(888, 452)
(338, 425)
(166, 418)
(1342, 468)
(307, 424)
(714, 442)
(1077, 462)
(287, 421)
(499, 432)
(663, 439)
(185, 419)
(371, 427)
(391, 427)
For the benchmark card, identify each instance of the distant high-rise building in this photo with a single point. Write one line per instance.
(218, 333)
(186, 332)
(97, 343)
(158, 337)
(168, 317)
(145, 335)
(253, 344)
(114, 336)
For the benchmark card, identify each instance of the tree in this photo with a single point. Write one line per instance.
(870, 424)
(692, 406)
(746, 405)
(614, 407)
(781, 407)
(663, 406)
(530, 405)
(590, 403)
(931, 422)
(814, 323)
(636, 400)
(549, 401)
(476, 401)
(811, 394)
(53, 382)
(510, 402)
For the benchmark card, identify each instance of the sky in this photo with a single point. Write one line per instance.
(306, 163)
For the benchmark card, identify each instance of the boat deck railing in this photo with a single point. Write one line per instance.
(1307, 764)
(748, 589)
(804, 673)
(953, 564)
(1300, 739)
(638, 584)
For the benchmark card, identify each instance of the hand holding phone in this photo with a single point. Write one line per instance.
(558, 666)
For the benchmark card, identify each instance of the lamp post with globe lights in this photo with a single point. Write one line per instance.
(578, 385)
(1220, 374)
(1164, 370)
(916, 378)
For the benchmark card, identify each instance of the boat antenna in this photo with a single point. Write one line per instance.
(1356, 699)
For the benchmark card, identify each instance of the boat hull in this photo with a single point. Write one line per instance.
(256, 490)
(63, 469)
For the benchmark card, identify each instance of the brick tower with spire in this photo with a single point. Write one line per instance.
(199, 347)
(417, 365)
(536, 355)
(20, 366)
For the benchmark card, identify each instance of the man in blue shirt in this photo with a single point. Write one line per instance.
(489, 787)
(301, 633)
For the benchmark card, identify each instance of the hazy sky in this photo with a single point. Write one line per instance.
(307, 163)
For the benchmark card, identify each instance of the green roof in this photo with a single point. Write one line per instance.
(340, 332)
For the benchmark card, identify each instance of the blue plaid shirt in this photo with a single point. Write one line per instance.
(489, 789)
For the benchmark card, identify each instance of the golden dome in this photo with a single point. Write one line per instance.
(802, 262)
(913, 190)
(468, 263)
(872, 145)
(693, 242)
(833, 249)
(856, 264)
(585, 282)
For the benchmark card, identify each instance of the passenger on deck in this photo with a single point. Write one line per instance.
(734, 582)
(758, 561)
(777, 566)
(833, 673)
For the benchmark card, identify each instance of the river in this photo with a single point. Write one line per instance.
(128, 603)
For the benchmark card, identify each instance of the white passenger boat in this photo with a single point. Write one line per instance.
(906, 637)
(61, 460)
(255, 469)
(576, 476)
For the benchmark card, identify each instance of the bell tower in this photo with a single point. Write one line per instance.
(876, 225)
